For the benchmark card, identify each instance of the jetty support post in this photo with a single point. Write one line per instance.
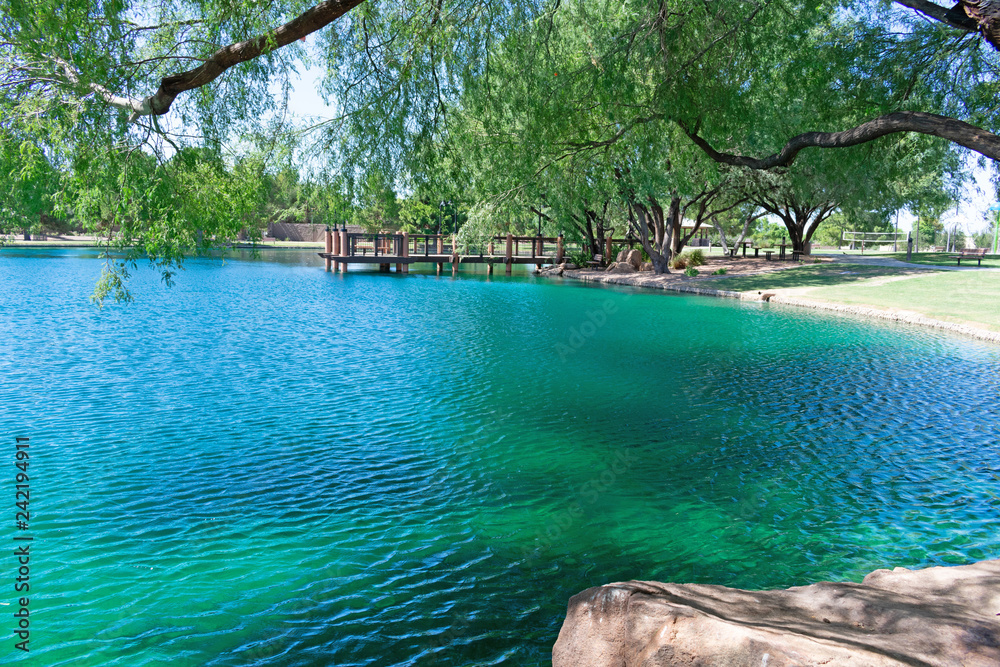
(560, 250)
(329, 249)
(405, 252)
(345, 249)
(510, 251)
(336, 248)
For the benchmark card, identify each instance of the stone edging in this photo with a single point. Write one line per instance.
(904, 316)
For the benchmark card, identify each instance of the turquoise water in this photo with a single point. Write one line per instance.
(272, 465)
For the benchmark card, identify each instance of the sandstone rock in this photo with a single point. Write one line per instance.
(634, 257)
(622, 267)
(646, 266)
(570, 266)
(611, 266)
(941, 616)
(622, 256)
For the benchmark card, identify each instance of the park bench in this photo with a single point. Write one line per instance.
(596, 261)
(970, 253)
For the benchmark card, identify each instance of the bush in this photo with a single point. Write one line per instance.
(719, 272)
(689, 258)
(580, 257)
(691, 272)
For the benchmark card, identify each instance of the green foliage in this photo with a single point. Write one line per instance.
(719, 272)
(580, 257)
(691, 272)
(573, 110)
(689, 258)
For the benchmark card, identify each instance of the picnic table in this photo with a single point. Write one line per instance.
(736, 247)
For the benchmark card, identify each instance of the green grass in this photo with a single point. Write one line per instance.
(811, 275)
(956, 296)
(945, 259)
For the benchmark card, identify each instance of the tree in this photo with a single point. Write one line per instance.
(87, 79)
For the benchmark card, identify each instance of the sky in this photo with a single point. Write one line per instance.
(970, 215)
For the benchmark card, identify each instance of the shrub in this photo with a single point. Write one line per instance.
(719, 272)
(580, 257)
(695, 257)
(689, 258)
(691, 272)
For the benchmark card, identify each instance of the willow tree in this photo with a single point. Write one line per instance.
(95, 84)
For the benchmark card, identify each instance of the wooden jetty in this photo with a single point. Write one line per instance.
(344, 248)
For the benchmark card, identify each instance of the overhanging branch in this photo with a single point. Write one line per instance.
(956, 131)
(953, 17)
(157, 104)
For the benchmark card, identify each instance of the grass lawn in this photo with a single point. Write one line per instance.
(812, 275)
(956, 296)
(945, 259)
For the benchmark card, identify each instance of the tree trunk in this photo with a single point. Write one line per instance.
(722, 239)
(674, 224)
(645, 228)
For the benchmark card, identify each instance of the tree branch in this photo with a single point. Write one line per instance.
(157, 104)
(971, 137)
(953, 17)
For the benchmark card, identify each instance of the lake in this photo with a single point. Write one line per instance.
(268, 464)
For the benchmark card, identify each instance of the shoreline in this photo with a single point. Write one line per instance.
(679, 285)
(774, 296)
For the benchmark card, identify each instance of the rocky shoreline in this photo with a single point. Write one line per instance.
(940, 616)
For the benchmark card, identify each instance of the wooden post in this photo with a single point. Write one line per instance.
(560, 250)
(406, 252)
(336, 248)
(345, 250)
(329, 250)
(440, 244)
(510, 251)
(607, 251)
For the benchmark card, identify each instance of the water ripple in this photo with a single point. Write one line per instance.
(271, 465)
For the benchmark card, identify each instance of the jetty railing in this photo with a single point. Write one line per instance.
(402, 249)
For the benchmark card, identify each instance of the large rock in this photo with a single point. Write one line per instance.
(941, 616)
(633, 257)
(622, 267)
